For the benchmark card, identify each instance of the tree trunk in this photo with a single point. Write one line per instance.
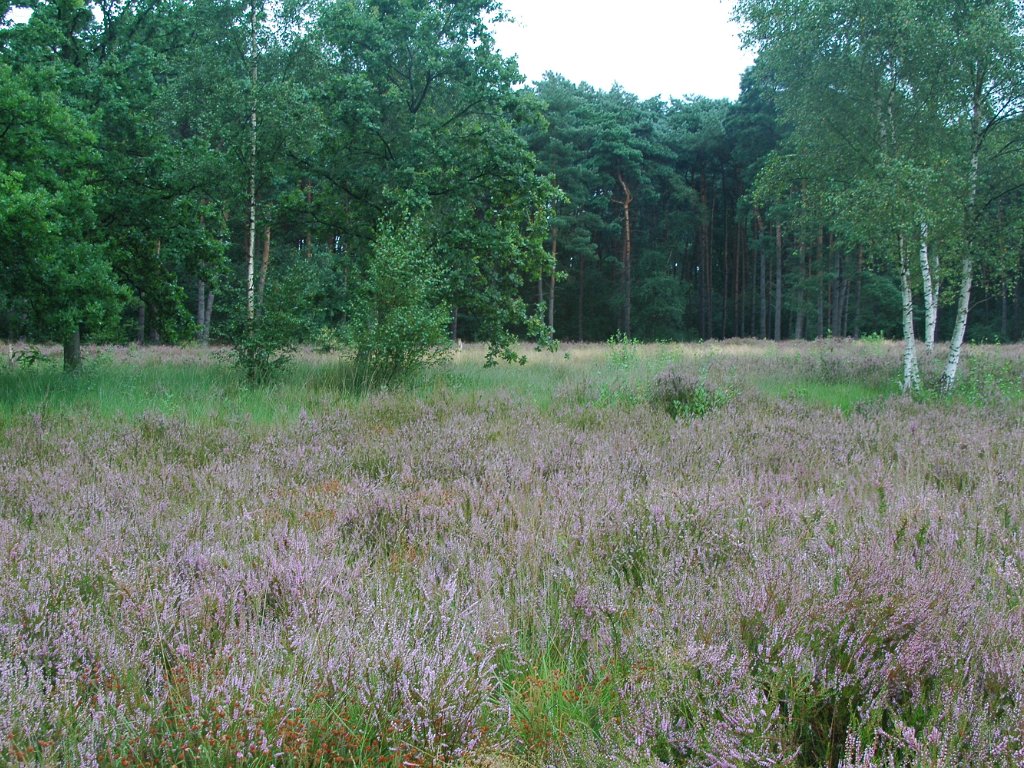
(73, 350)
(309, 209)
(200, 307)
(1004, 318)
(738, 313)
(819, 264)
(1015, 319)
(931, 293)
(708, 271)
(957, 341)
(762, 254)
(704, 261)
(778, 282)
(837, 313)
(627, 258)
(799, 331)
(579, 303)
(856, 301)
(209, 317)
(967, 272)
(725, 263)
(911, 373)
(251, 249)
(551, 283)
(140, 332)
(264, 265)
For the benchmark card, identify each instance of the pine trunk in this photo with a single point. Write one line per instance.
(799, 330)
(140, 331)
(778, 282)
(627, 259)
(837, 308)
(579, 303)
(762, 254)
(725, 265)
(856, 301)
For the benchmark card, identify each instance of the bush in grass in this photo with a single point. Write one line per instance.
(284, 316)
(327, 340)
(624, 350)
(682, 394)
(399, 323)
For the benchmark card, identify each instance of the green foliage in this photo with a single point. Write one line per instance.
(661, 304)
(262, 346)
(399, 321)
(684, 395)
(55, 273)
(623, 350)
(26, 358)
(327, 340)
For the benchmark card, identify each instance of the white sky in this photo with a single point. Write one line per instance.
(667, 48)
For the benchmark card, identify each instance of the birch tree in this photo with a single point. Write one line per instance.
(982, 93)
(865, 91)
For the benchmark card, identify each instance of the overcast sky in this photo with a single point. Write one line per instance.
(650, 47)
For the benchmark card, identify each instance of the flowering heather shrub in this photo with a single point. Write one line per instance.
(476, 581)
(681, 393)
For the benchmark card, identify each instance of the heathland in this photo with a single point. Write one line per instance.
(729, 554)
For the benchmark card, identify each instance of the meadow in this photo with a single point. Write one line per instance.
(724, 554)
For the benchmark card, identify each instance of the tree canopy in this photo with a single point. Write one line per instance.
(159, 154)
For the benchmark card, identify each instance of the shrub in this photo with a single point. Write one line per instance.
(682, 394)
(261, 346)
(399, 323)
(624, 350)
(327, 340)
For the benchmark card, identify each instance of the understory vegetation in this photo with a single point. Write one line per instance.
(727, 554)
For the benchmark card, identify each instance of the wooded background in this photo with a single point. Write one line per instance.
(169, 169)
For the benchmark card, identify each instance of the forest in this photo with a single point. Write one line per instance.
(266, 174)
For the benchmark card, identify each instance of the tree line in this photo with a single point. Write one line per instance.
(264, 173)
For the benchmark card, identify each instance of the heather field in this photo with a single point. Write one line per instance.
(733, 554)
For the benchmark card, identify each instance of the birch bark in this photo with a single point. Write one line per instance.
(911, 372)
(251, 246)
(967, 270)
(931, 292)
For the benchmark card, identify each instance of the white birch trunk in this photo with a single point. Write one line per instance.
(911, 373)
(931, 293)
(956, 343)
(251, 246)
(967, 272)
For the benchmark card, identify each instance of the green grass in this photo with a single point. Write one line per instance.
(209, 391)
(845, 396)
(201, 386)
